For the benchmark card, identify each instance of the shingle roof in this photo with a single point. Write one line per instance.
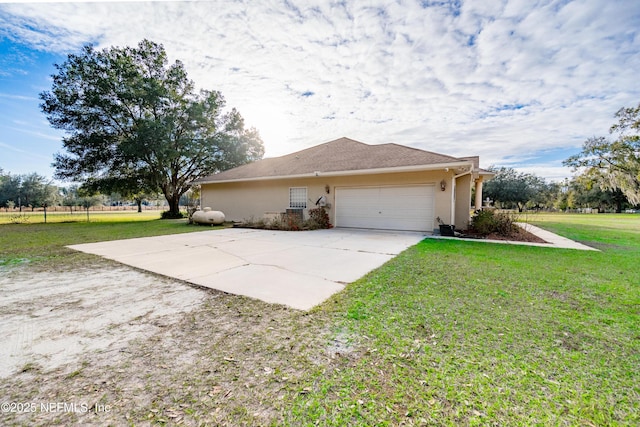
(340, 155)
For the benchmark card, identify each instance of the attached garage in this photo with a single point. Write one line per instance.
(408, 208)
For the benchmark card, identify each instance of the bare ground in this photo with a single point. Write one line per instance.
(109, 345)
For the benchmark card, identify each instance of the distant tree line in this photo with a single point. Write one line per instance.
(27, 191)
(32, 191)
(510, 189)
(607, 175)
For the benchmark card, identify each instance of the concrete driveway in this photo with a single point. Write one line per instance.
(297, 269)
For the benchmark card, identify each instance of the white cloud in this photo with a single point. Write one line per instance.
(17, 97)
(39, 134)
(12, 148)
(549, 171)
(500, 79)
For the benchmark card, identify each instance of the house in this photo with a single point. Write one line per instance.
(386, 186)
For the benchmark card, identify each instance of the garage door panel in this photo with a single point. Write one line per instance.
(392, 207)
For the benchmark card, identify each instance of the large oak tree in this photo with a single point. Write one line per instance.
(510, 188)
(615, 163)
(135, 123)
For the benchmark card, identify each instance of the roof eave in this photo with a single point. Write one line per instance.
(399, 169)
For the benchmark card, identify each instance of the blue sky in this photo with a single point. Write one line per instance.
(522, 83)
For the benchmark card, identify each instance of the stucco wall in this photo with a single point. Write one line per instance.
(463, 201)
(243, 200)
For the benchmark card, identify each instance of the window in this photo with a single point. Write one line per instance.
(298, 197)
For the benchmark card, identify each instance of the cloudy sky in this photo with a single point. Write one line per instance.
(522, 83)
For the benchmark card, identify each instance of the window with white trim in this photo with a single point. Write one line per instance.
(298, 197)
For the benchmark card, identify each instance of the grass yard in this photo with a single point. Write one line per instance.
(448, 333)
(37, 217)
(463, 333)
(35, 241)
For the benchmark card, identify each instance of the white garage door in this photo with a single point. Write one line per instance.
(386, 208)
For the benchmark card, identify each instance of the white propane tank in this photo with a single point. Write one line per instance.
(207, 216)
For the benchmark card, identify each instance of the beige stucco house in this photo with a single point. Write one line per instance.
(386, 186)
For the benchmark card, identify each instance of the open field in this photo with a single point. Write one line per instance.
(37, 217)
(447, 333)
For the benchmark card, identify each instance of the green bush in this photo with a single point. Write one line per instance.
(170, 215)
(488, 221)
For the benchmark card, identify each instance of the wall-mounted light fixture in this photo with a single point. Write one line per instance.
(443, 185)
(327, 188)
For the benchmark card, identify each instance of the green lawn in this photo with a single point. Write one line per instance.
(447, 333)
(465, 333)
(45, 243)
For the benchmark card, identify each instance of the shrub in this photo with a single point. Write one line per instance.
(258, 223)
(293, 222)
(274, 224)
(252, 222)
(190, 211)
(318, 218)
(487, 221)
(286, 222)
(169, 215)
(19, 218)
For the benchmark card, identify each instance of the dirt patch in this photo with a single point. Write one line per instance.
(48, 320)
(111, 345)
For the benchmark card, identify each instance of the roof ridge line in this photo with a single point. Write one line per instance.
(422, 151)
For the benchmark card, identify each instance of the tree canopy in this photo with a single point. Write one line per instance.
(136, 124)
(31, 190)
(615, 163)
(511, 188)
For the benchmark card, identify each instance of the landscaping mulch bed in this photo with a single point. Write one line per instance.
(521, 236)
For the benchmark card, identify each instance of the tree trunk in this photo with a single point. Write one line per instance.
(139, 202)
(174, 205)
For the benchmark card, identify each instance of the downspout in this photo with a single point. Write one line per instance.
(453, 193)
